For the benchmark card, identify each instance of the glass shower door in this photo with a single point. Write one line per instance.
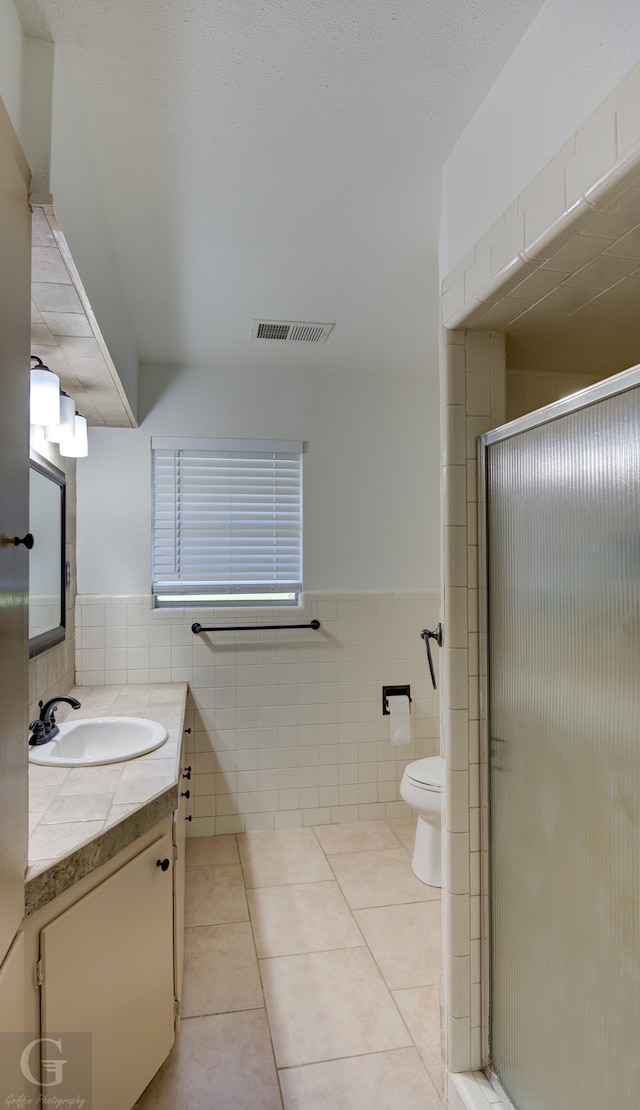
(563, 556)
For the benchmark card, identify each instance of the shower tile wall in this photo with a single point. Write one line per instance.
(493, 285)
(473, 395)
(528, 390)
(287, 726)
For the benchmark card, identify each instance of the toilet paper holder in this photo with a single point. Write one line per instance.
(393, 692)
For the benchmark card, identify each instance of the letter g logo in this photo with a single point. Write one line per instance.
(50, 1067)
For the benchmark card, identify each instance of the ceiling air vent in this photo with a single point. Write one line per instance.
(291, 331)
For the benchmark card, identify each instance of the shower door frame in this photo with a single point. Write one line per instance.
(609, 387)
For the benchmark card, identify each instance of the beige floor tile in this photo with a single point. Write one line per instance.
(223, 1062)
(326, 1005)
(360, 837)
(405, 830)
(381, 878)
(220, 970)
(304, 917)
(405, 941)
(420, 1008)
(215, 895)
(385, 1081)
(278, 858)
(204, 851)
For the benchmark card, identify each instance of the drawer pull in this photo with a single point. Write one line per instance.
(164, 864)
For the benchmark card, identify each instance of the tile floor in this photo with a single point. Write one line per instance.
(312, 975)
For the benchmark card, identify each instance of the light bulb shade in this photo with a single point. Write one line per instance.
(44, 396)
(56, 433)
(77, 445)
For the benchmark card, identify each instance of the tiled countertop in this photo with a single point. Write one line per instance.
(79, 818)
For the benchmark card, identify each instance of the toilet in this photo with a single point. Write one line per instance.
(422, 787)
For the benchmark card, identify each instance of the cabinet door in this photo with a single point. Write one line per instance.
(15, 298)
(108, 970)
(13, 1019)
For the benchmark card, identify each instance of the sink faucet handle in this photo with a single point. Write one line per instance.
(38, 733)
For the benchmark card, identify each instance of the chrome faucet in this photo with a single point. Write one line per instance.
(45, 728)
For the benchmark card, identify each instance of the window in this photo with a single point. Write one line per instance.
(227, 522)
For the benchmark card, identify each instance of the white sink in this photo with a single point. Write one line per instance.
(96, 740)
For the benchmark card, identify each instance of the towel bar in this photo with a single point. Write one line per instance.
(250, 627)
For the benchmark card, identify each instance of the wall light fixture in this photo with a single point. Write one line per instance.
(56, 433)
(76, 446)
(44, 394)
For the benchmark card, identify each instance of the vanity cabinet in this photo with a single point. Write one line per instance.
(180, 819)
(105, 958)
(107, 966)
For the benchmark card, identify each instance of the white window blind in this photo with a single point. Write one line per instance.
(227, 521)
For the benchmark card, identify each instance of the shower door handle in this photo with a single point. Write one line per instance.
(436, 635)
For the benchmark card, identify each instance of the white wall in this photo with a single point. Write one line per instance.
(371, 472)
(11, 61)
(574, 53)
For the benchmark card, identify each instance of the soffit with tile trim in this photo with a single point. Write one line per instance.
(65, 332)
(276, 160)
(575, 308)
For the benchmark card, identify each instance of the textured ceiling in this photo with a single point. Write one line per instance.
(265, 158)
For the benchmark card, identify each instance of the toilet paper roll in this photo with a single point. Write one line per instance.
(399, 725)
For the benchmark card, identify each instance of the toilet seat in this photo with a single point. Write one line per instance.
(427, 774)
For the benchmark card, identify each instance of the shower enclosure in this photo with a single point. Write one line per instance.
(562, 495)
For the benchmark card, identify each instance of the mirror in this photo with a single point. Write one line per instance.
(47, 557)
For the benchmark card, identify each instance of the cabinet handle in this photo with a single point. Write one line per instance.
(27, 540)
(189, 818)
(163, 863)
(186, 794)
(188, 730)
(186, 774)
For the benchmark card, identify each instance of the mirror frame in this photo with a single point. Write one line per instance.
(51, 636)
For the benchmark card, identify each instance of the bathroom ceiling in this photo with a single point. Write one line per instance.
(276, 160)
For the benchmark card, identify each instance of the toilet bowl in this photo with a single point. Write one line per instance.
(422, 787)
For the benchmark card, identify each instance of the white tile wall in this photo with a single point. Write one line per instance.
(528, 390)
(475, 368)
(288, 725)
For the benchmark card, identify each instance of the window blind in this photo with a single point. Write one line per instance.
(227, 519)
